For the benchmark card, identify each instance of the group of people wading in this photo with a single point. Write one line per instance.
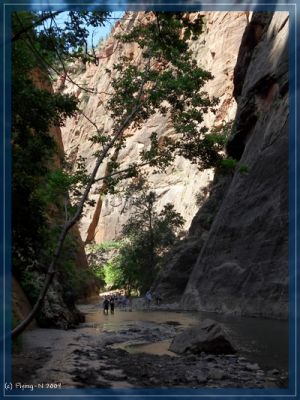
(125, 302)
(116, 300)
(109, 303)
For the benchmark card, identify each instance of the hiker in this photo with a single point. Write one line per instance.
(105, 306)
(158, 298)
(148, 298)
(112, 305)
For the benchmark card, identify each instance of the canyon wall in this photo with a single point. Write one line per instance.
(243, 266)
(216, 50)
(234, 258)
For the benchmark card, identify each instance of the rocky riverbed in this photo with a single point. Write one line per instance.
(131, 354)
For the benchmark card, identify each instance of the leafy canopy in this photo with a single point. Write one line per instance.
(146, 237)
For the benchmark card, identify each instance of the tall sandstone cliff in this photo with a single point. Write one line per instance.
(215, 50)
(242, 267)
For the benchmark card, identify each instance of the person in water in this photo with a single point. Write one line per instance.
(112, 305)
(105, 306)
(158, 298)
(148, 298)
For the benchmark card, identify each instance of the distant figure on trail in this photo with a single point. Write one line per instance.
(148, 298)
(105, 306)
(112, 305)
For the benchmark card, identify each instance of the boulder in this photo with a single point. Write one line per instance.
(209, 337)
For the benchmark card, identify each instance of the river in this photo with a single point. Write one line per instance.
(92, 354)
(264, 341)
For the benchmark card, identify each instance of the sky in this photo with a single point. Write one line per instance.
(96, 34)
(103, 32)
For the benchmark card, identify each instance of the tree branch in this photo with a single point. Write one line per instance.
(26, 29)
(47, 65)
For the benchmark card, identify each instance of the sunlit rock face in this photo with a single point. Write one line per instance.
(215, 50)
(243, 266)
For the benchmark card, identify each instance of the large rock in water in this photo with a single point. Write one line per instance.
(243, 266)
(209, 337)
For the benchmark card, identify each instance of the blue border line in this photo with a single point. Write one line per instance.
(2, 183)
(266, 5)
(293, 147)
(6, 198)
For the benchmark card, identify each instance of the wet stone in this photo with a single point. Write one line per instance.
(273, 372)
(216, 374)
(202, 378)
(189, 378)
(210, 358)
(114, 374)
(251, 367)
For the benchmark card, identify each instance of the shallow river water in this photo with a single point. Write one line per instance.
(264, 341)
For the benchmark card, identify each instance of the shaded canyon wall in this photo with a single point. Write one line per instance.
(243, 266)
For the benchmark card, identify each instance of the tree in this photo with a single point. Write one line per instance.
(146, 237)
(39, 185)
(169, 81)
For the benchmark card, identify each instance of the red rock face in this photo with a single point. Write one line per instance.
(216, 50)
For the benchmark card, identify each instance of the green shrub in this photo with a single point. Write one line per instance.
(243, 169)
(228, 165)
(104, 246)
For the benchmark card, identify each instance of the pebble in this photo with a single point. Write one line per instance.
(115, 374)
(273, 372)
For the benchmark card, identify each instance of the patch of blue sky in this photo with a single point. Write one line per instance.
(96, 35)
